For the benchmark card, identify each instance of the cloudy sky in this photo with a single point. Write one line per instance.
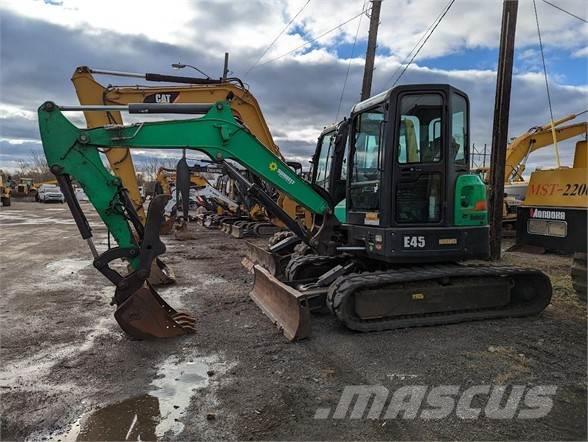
(299, 91)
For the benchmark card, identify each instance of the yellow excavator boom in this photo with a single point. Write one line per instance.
(243, 103)
(536, 138)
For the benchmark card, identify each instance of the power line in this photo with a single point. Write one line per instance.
(313, 40)
(567, 12)
(436, 23)
(277, 37)
(546, 82)
(349, 65)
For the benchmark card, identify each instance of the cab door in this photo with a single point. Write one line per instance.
(419, 171)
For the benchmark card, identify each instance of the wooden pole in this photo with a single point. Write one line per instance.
(370, 55)
(500, 126)
(226, 67)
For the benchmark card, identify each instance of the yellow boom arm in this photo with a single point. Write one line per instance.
(537, 138)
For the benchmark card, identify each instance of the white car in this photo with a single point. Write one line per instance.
(80, 194)
(50, 193)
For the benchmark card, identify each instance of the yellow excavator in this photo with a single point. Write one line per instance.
(120, 160)
(554, 214)
(5, 191)
(517, 153)
(190, 90)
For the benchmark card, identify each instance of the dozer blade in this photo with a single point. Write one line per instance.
(145, 315)
(161, 274)
(272, 262)
(285, 306)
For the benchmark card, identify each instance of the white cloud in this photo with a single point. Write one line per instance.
(581, 52)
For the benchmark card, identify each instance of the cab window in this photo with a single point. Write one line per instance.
(420, 134)
(323, 165)
(367, 151)
(459, 135)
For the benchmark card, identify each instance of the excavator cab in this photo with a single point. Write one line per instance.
(409, 193)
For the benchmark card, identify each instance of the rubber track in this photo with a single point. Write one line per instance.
(342, 291)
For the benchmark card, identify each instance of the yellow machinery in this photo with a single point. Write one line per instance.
(553, 215)
(166, 178)
(517, 153)
(25, 188)
(193, 90)
(120, 160)
(536, 138)
(5, 191)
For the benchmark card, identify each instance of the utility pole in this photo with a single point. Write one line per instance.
(226, 68)
(370, 54)
(500, 126)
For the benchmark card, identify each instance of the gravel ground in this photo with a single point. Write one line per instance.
(69, 373)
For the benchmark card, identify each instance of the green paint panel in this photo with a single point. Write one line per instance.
(341, 211)
(470, 201)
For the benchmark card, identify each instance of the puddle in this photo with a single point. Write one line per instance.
(149, 416)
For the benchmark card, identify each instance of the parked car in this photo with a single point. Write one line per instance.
(80, 194)
(50, 193)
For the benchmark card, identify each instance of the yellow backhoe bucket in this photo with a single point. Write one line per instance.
(285, 306)
(145, 315)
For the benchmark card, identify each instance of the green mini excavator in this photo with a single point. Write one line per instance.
(395, 212)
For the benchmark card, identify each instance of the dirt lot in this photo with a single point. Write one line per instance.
(69, 373)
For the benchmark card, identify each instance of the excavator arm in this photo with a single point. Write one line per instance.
(72, 152)
(535, 139)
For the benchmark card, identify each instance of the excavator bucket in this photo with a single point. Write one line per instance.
(285, 306)
(145, 315)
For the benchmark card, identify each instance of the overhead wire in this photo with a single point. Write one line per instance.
(313, 40)
(556, 149)
(435, 25)
(567, 12)
(277, 37)
(349, 64)
(423, 35)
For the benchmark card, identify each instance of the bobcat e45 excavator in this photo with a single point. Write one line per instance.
(412, 212)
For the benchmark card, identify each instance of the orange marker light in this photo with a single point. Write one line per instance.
(480, 205)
